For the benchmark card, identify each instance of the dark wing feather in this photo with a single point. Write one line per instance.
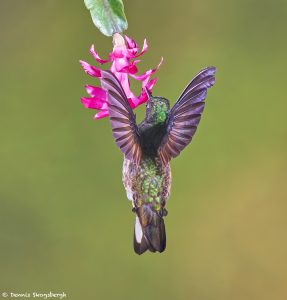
(122, 118)
(185, 115)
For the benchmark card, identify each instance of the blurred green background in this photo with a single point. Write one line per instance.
(66, 224)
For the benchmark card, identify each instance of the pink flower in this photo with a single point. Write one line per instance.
(123, 64)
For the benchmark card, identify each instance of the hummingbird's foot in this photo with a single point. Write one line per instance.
(163, 212)
(134, 209)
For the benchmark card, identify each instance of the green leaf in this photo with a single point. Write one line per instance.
(108, 15)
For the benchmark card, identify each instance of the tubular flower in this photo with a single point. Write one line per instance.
(124, 62)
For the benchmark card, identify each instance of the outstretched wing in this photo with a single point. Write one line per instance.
(122, 118)
(185, 115)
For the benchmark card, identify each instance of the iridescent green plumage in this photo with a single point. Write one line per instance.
(150, 183)
(158, 111)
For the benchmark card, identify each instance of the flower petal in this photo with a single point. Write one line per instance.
(147, 74)
(101, 114)
(118, 52)
(132, 47)
(130, 42)
(143, 97)
(97, 57)
(94, 103)
(90, 70)
(131, 68)
(133, 101)
(124, 80)
(144, 49)
(119, 64)
(97, 92)
(150, 84)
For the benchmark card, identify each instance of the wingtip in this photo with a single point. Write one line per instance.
(211, 70)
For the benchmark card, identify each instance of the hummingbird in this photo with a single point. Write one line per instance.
(148, 148)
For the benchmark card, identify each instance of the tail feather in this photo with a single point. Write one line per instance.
(140, 244)
(149, 232)
(155, 234)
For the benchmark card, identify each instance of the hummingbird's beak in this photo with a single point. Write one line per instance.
(147, 92)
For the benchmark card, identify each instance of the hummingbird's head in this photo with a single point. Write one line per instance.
(157, 109)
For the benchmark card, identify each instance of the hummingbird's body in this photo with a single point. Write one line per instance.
(148, 148)
(148, 183)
